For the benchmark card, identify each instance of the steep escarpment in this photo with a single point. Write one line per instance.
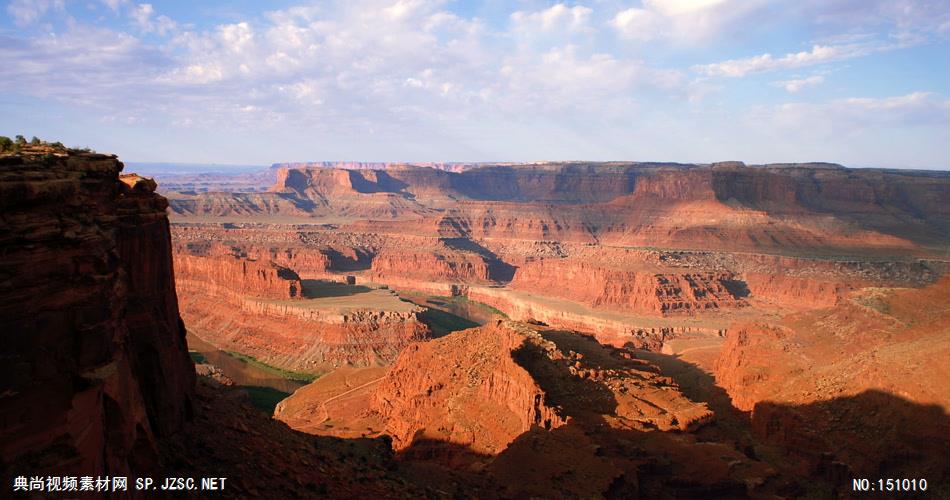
(435, 266)
(95, 364)
(647, 290)
(224, 274)
(730, 206)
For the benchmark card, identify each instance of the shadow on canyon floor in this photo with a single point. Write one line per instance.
(872, 434)
(498, 270)
(442, 323)
(318, 289)
(359, 261)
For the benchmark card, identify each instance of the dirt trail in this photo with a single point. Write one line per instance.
(323, 406)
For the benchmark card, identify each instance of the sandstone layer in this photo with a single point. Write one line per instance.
(95, 363)
(265, 311)
(725, 206)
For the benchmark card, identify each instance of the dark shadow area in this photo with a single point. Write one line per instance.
(595, 460)
(821, 446)
(872, 434)
(738, 288)
(264, 398)
(384, 183)
(303, 204)
(287, 274)
(574, 396)
(498, 270)
(263, 457)
(360, 260)
(443, 323)
(316, 289)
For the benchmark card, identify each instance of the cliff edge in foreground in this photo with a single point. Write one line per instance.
(94, 367)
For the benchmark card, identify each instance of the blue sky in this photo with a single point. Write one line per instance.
(859, 82)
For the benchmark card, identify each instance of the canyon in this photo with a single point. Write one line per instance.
(757, 298)
(573, 329)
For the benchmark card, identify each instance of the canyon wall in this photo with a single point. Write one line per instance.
(95, 363)
(646, 290)
(729, 205)
(224, 275)
(607, 327)
(452, 267)
(264, 310)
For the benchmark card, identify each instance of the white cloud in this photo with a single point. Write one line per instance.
(559, 18)
(901, 16)
(683, 21)
(418, 75)
(857, 114)
(144, 16)
(114, 4)
(798, 84)
(26, 12)
(819, 54)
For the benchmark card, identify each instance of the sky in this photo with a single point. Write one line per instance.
(865, 83)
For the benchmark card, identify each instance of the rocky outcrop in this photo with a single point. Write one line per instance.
(526, 407)
(484, 387)
(95, 364)
(473, 395)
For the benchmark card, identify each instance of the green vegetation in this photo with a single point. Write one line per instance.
(197, 357)
(280, 372)
(16, 144)
(264, 398)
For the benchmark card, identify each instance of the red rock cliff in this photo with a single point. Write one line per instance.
(95, 365)
(228, 274)
(646, 291)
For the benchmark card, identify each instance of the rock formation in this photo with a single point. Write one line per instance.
(517, 401)
(264, 310)
(224, 274)
(95, 364)
(484, 387)
(651, 291)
